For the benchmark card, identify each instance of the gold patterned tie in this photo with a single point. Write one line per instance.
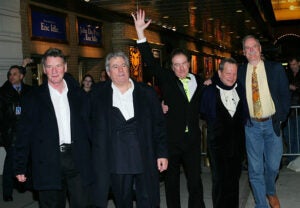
(255, 95)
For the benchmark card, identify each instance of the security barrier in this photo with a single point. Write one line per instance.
(291, 133)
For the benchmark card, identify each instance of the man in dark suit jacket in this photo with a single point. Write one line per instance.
(52, 129)
(263, 142)
(181, 92)
(128, 138)
(10, 111)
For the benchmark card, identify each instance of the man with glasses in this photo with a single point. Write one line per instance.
(268, 100)
(181, 92)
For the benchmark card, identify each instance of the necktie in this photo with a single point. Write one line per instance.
(257, 110)
(18, 88)
(185, 82)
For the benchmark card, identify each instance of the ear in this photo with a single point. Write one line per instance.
(66, 67)
(219, 73)
(108, 74)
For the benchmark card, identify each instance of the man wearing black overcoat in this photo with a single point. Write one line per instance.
(54, 131)
(181, 92)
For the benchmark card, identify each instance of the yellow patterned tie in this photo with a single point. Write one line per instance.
(255, 95)
(185, 82)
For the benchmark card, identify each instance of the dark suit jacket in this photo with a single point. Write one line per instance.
(151, 136)
(279, 89)
(38, 136)
(181, 112)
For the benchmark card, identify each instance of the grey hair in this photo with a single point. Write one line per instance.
(227, 60)
(115, 55)
(248, 37)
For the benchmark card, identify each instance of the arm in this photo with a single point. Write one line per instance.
(25, 127)
(159, 133)
(143, 46)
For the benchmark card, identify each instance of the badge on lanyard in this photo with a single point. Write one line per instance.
(18, 110)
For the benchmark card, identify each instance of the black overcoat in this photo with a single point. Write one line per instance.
(37, 135)
(151, 137)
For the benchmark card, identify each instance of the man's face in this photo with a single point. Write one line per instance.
(294, 65)
(118, 71)
(229, 74)
(55, 69)
(180, 65)
(15, 77)
(252, 50)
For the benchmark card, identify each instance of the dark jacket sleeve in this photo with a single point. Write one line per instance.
(148, 59)
(24, 129)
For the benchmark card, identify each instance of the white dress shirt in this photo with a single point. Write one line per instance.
(124, 101)
(62, 112)
(230, 99)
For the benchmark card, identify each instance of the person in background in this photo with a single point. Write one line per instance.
(224, 107)
(103, 76)
(87, 83)
(11, 93)
(181, 92)
(128, 138)
(291, 135)
(53, 130)
(268, 101)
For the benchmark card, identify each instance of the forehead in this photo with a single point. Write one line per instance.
(54, 59)
(117, 59)
(179, 57)
(14, 71)
(230, 67)
(250, 41)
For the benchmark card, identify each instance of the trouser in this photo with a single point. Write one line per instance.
(71, 187)
(8, 174)
(226, 172)
(122, 188)
(190, 158)
(264, 150)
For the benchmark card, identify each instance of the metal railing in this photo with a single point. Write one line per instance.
(291, 133)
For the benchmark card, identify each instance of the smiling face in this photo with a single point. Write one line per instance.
(118, 71)
(229, 74)
(180, 65)
(252, 50)
(55, 68)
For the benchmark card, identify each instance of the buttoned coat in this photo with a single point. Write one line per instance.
(38, 137)
(151, 137)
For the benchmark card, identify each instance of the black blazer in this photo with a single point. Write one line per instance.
(151, 136)
(181, 112)
(279, 89)
(37, 135)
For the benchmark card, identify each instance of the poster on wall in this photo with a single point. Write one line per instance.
(135, 64)
(208, 67)
(89, 32)
(48, 25)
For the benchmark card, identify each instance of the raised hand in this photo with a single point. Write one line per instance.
(139, 22)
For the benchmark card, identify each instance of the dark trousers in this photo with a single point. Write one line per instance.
(226, 172)
(72, 188)
(122, 188)
(190, 158)
(8, 174)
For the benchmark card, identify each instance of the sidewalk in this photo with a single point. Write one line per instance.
(288, 185)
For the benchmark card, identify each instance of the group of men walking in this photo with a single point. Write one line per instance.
(80, 146)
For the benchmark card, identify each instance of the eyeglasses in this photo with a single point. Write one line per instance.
(178, 65)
